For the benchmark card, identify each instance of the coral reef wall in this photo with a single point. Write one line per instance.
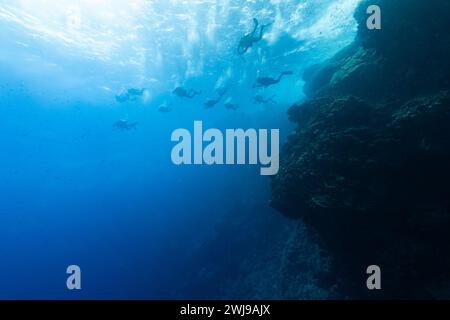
(408, 56)
(369, 164)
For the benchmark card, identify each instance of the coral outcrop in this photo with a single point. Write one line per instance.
(369, 164)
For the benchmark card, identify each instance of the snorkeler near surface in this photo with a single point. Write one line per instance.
(261, 100)
(267, 81)
(125, 125)
(130, 95)
(248, 40)
(183, 93)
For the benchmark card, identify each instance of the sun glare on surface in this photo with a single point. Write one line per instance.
(96, 27)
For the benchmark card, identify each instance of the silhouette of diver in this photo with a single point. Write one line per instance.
(165, 108)
(130, 95)
(125, 125)
(231, 106)
(212, 102)
(248, 40)
(183, 93)
(261, 100)
(267, 81)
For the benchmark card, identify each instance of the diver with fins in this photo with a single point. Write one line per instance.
(211, 103)
(268, 81)
(184, 93)
(250, 39)
(125, 125)
(130, 95)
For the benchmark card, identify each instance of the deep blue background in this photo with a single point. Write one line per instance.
(73, 190)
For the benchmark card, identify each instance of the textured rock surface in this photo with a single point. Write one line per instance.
(269, 258)
(409, 56)
(369, 165)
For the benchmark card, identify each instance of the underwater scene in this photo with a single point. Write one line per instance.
(224, 149)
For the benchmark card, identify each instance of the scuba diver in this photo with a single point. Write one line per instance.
(267, 81)
(212, 102)
(248, 40)
(231, 106)
(222, 92)
(165, 108)
(125, 125)
(260, 100)
(183, 93)
(130, 95)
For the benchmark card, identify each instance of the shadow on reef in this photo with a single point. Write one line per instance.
(369, 165)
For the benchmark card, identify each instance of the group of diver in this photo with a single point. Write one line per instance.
(245, 43)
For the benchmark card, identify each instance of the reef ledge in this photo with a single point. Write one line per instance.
(369, 164)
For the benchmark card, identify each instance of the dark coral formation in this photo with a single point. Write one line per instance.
(369, 165)
(409, 56)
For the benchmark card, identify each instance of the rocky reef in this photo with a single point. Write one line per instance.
(369, 164)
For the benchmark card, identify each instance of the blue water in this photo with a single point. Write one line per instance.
(73, 190)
